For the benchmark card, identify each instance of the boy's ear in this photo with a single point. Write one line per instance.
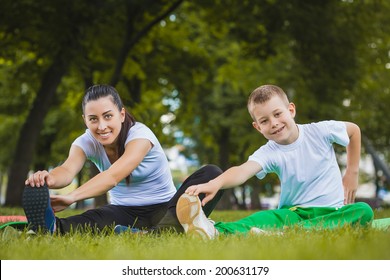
(254, 124)
(292, 110)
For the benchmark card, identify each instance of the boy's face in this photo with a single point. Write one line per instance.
(275, 120)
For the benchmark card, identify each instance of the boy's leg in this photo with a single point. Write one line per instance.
(194, 221)
(359, 213)
(203, 175)
(266, 220)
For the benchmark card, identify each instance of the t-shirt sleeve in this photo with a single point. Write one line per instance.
(92, 149)
(141, 131)
(260, 156)
(337, 132)
(86, 143)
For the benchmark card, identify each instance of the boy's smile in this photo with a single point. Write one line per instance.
(279, 130)
(275, 120)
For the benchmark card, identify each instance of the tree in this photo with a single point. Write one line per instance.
(75, 26)
(36, 28)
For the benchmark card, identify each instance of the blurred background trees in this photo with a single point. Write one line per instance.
(185, 69)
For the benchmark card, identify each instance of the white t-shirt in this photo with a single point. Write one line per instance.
(308, 170)
(150, 183)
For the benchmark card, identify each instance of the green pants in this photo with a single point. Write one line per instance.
(359, 213)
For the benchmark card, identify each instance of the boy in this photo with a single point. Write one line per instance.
(313, 193)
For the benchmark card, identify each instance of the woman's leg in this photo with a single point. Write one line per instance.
(111, 215)
(40, 215)
(203, 175)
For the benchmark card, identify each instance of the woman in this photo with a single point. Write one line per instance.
(133, 170)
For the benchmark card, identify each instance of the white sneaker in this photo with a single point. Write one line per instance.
(191, 217)
(258, 231)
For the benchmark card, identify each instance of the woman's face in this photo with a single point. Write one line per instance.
(104, 120)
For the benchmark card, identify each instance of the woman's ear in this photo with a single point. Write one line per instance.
(123, 114)
(85, 122)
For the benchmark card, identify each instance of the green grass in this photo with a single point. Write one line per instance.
(294, 244)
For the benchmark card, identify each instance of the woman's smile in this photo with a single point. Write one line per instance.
(105, 135)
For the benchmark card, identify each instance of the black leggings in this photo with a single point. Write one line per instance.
(157, 217)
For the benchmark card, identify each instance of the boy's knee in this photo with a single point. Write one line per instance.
(367, 214)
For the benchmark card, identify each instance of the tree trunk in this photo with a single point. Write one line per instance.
(255, 198)
(30, 131)
(228, 196)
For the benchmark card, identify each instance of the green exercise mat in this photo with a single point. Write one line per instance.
(381, 223)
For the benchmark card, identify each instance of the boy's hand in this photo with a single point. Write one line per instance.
(350, 183)
(232, 177)
(208, 189)
(350, 179)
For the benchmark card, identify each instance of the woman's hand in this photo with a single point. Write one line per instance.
(61, 202)
(39, 178)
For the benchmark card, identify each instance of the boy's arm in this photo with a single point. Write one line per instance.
(232, 177)
(350, 179)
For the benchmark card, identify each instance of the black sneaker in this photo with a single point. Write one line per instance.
(36, 205)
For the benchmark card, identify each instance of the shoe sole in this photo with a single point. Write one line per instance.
(188, 208)
(35, 201)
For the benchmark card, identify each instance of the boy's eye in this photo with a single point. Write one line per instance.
(278, 114)
(263, 121)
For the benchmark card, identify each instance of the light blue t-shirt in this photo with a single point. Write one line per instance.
(308, 170)
(150, 183)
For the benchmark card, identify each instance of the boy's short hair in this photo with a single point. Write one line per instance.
(264, 93)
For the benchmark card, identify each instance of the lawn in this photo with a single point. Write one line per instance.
(295, 244)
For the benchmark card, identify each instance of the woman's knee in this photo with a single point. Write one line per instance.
(212, 170)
